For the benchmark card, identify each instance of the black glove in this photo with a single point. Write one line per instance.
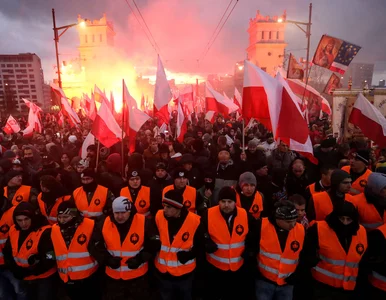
(210, 246)
(134, 262)
(33, 259)
(19, 272)
(114, 262)
(184, 256)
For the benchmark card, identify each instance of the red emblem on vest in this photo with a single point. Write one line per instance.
(29, 244)
(81, 238)
(255, 208)
(185, 236)
(360, 248)
(295, 246)
(187, 204)
(134, 238)
(239, 229)
(19, 198)
(142, 203)
(4, 228)
(363, 183)
(97, 202)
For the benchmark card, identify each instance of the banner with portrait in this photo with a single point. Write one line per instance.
(295, 69)
(332, 84)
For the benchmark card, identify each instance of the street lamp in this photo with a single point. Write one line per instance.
(307, 31)
(57, 35)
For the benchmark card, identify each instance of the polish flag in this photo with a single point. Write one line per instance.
(187, 101)
(105, 128)
(65, 106)
(370, 120)
(133, 118)
(182, 126)
(12, 126)
(216, 102)
(90, 106)
(112, 102)
(162, 94)
(101, 97)
(33, 116)
(272, 102)
(237, 99)
(89, 140)
(83, 105)
(210, 116)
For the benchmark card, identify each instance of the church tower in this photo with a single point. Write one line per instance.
(266, 42)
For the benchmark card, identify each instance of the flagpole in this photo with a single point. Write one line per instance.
(97, 158)
(243, 137)
(305, 88)
(123, 123)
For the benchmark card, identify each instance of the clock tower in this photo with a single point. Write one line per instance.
(266, 42)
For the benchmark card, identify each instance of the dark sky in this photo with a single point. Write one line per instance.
(182, 29)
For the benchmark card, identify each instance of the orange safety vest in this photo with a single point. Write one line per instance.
(274, 264)
(229, 247)
(6, 222)
(323, 204)
(256, 207)
(369, 216)
(189, 196)
(22, 194)
(360, 183)
(98, 201)
(130, 247)
(28, 248)
(166, 260)
(74, 262)
(377, 280)
(336, 268)
(142, 203)
(52, 217)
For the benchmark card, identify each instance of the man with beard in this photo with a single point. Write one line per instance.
(31, 161)
(160, 180)
(76, 266)
(28, 252)
(137, 193)
(247, 196)
(372, 203)
(53, 193)
(92, 199)
(123, 244)
(16, 192)
(322, 204)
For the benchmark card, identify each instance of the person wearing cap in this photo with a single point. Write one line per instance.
(247, 196)
(91, 199)
(123, 245)
(52, 194)
(182, 241)
(323, 184)
(269, 145)
(371, 203)
(16, 191)
(188, 193)
(279, 246)
(253, 153)
(205, 194)
(77, 267)
(9, 285)
(161, 179)
(228, 237)
(358, 171)
(82, 165)
(333, 250)
(191, 172)
(137, 193)
(29, 253)
(321, 205)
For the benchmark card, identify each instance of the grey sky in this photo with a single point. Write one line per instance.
(183, 27)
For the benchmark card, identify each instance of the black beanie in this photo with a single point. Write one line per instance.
(347, 209)
(179, 172)
(260, 164)
(363, 156)
(227, 193)
(11, 174)
(24, 209)
(68, 208)
(328, 143)
(173, 198)
(89, 172)
(338, 176)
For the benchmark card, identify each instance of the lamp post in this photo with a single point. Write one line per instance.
(307, 31)
(57, 35)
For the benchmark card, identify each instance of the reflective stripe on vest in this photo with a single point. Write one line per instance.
(279, 258)
(124, 253)
(91, 214)
(78, 268)
(3, 241)
(73, 255)
(338, 262)
(21, 260)
(174, 263)
(274, 271)
(230, 246)
(53, 219)
(335, 276)
(378, 276)
(125, 269)
(226, 260)
(372, 226)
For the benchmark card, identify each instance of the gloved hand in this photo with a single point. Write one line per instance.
(184, 256)
(19, 272)
(134, 262)
(210, 246)
(114, 262)
(33, 259)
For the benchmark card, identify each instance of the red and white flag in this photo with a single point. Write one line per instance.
(89, 140)
(370, 120)
(105, 128)
(216, 102)
(133, 118)
(112, 102)
(65, 106)
(162, 94)
(187, 101)
(33, 116)
(272, 102)
(182, 126)
(90, 106)
(12, 126)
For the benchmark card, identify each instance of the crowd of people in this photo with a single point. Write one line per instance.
(203, 219)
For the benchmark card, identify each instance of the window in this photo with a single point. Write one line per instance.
(9, 66)
(22, 66)
(33, 86)
(262, 35)
(101, 38)
(29, 66)
(270, 35)
(93, 38)
(31, 70)
(3, 66)
(31, 76)
(16, 65)
(277, 35)
(34, 97)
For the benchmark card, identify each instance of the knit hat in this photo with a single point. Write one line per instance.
(9, 154)
(24, 209)
(206, 137)
(186, 158)
(11, 174)
(363, 156)
(113, 163)
(179, 173)
(227, 193)
(72, 139)
(89, 172)
(260, 164)
(160, 166)
(285, 210)
(247, 178)
(328, 143)
(121, 204)
(68, 208)
(376, 182)
(163, 148)
(173, 198)
(347, 209)
(132, 173)
(338, 176)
